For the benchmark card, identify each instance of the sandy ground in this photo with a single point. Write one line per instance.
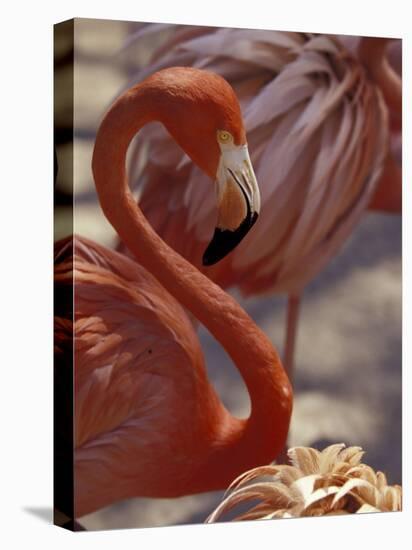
(348, 362)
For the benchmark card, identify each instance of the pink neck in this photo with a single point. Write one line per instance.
(372, 54)
(247, 345)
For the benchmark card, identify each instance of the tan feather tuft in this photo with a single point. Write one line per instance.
(317, 483)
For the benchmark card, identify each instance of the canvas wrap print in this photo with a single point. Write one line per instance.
(227, 274)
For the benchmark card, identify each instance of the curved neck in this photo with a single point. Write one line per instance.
(372, 53)
(388, 194)
(247, 345)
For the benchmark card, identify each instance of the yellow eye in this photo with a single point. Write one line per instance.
(224, 137)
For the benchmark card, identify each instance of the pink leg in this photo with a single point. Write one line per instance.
(291, 333)
(289, 352)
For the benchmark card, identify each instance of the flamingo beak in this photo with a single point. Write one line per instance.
(238, 199)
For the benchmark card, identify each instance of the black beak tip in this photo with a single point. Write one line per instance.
(208, 258)
(224, 241)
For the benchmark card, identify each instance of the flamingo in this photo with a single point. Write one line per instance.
(317, 124)
(147, 420)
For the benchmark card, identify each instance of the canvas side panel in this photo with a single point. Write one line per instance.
(63, 290)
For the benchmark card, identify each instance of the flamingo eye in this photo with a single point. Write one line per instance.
(224, 137)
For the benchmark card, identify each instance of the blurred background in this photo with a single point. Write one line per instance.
(348, 357)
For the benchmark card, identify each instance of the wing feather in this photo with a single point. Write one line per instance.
(130, 335)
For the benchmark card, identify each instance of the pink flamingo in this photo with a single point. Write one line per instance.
(318, 130)
(147, 420)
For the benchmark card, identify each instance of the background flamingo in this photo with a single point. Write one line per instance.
(318, 132)
(148, 422)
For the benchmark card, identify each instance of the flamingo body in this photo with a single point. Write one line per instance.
(146, 416)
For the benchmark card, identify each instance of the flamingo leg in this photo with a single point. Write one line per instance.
(291, 333)
(288, 354)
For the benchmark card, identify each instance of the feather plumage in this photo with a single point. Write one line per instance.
(147, 421)
(329, 482)
(136, 354)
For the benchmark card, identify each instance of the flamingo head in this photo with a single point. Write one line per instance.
(203, 115)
